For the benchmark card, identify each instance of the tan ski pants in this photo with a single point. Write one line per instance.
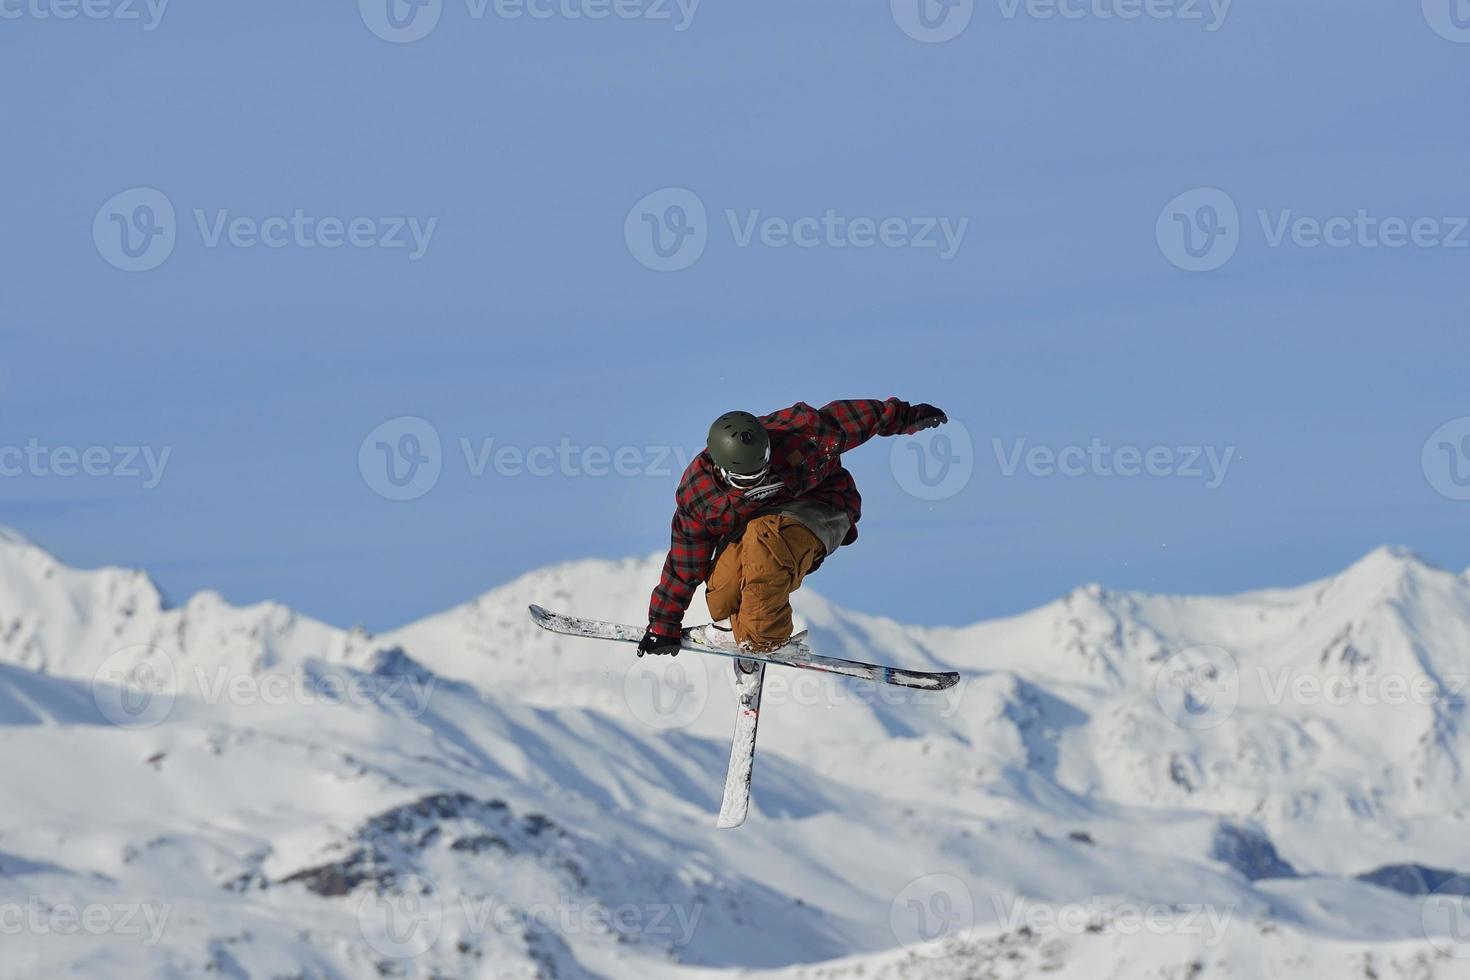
(753, 579)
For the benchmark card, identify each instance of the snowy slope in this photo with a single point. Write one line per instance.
(1123, 785)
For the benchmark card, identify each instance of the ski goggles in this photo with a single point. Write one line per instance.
(746, 481)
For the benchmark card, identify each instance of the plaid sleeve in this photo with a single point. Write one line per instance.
(691, 550)
(860, 419)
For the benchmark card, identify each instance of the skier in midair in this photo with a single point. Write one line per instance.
(760, 508)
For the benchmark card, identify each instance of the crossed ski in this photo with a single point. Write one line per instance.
(750, 676)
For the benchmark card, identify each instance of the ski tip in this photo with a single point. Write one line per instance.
(921, 680)
(539, 614)
(729, 821)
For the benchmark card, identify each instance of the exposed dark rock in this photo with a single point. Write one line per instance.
(479, 843)
(387, 846)
(1249, 851)
(337, 878)
(394, 662)
(1179, 774)
(1416, 879)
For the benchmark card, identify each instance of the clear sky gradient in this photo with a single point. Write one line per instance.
(1063, 317)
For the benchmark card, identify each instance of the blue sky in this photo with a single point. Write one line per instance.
(1062, 318)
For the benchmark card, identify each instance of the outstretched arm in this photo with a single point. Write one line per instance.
(860, 419)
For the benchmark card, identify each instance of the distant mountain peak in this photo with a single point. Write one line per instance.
(1388, 565)
(1395, 554)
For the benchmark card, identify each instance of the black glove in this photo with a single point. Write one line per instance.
(658, 645)
(924, 416)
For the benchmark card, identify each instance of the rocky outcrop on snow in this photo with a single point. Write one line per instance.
(1416, 879)
(1249, 851)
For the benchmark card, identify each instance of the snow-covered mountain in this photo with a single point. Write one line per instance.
(1122, 785)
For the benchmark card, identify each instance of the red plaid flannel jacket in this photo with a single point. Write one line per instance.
(806, 449)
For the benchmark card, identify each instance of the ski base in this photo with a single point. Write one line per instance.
(749, 678)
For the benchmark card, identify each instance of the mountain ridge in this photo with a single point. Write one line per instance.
(1230, 752)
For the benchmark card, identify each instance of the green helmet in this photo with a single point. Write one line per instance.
(738, 444)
